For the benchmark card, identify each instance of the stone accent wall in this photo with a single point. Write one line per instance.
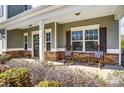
(83, 57)
(56, 56)
(53, 56)
(17, 54)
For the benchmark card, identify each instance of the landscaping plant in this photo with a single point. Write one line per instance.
(50, 84)
(15, 77)
(4, 58)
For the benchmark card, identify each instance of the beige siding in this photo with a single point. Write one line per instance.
(108, 21)
(59, 36)
(14, 39)
(52, 26)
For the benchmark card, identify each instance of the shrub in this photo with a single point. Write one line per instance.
(4, 58)
(37, 70)
(15, 77)
(3, 68)
(69, 76)
(50, 84)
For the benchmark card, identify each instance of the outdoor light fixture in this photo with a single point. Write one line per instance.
(77, 14)
(30, 25)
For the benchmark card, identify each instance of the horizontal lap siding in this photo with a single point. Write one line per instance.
(52, 26)
(107, 21)
(113, 36)
(15, 39)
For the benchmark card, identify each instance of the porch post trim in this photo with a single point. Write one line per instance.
(41, 40)
(4, 42)
(119, 42)
(55, 35)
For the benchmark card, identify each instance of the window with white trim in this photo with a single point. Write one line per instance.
(91, 39)
(85, 38)
(77, 40)
(25, 41)
(48, 40)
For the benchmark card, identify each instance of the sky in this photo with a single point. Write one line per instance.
(34, 6)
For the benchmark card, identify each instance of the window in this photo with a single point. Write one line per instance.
(1, 10)
(48, 41)
(25, 41)
(25, 7)
(85, 38)
(91, 39)
(77, 43)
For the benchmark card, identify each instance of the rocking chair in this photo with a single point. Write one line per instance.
(68, 56)
(98, 56)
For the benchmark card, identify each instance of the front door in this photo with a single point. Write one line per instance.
(36, 45)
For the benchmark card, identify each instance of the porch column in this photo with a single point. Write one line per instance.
(41, 40)
(119, 42)
(55, 36)
(3, 40)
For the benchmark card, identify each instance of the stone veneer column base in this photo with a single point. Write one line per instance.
(83, 57)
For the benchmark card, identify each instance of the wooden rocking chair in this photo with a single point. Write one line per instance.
(68, 56)
(98, 56)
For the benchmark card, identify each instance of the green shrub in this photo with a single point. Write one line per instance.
(15, 77)
(4, 58)
(50, 84)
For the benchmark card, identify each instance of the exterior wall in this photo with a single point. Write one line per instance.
(29, 31)
(4, 17)
(107, 21)
(16, 54)
(16, 9)
(52, 26)
(14, 39)
(47, 26)
(82, 57)
(59, 36)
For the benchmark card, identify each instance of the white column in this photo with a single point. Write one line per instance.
(41, 40)
(55, 36)
(119, 42)
(4, 41)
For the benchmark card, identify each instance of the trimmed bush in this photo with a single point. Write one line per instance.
(4, 58)
(50, 84)
(15, 77)
(3, 68)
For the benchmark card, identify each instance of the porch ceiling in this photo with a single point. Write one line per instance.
(85, 13)
(67, 14)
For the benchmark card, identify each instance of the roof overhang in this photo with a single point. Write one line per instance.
(58, 13)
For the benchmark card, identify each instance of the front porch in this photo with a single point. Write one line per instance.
(76, 26)
(57, 36)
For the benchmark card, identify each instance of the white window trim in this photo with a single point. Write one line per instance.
(48, 31)
(83, 28)
(25, 34)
